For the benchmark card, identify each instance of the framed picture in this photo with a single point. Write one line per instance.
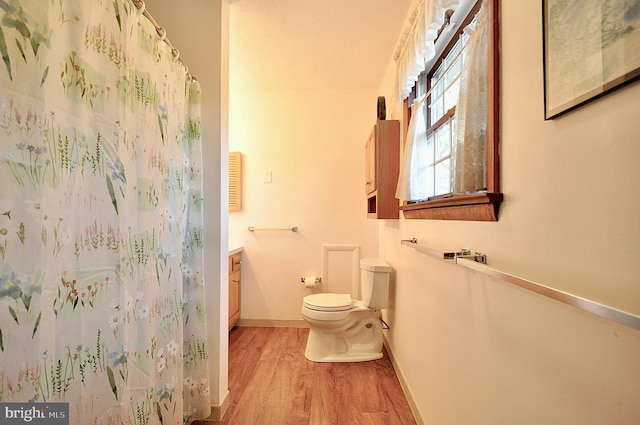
(590, 48)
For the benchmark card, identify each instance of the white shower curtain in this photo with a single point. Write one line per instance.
(101, 286)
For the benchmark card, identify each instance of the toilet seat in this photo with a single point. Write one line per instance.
(328, 302)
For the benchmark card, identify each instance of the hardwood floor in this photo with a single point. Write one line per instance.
(272, 383)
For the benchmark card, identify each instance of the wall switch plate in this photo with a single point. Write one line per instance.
(267, 177)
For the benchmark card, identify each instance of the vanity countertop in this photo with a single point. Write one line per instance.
(235, 250)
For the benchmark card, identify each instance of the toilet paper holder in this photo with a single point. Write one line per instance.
(318, 279)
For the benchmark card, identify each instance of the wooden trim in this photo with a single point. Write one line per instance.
(406, 117)
(443, 119)
(404, 385)
(481, 207)
(217, 412)
(493, 107)
(272, 323)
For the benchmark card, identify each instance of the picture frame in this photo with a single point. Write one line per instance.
(590, 48)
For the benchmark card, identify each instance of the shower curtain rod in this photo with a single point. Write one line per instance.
(162, 33)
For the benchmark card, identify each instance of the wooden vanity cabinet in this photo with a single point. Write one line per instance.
(234, 288)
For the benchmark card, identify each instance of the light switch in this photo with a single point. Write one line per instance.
(267, 176)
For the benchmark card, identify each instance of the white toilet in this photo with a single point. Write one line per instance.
(346, 330)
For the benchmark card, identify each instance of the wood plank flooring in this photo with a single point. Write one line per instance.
(272, 383)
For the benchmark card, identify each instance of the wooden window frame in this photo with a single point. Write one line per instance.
(483, 206)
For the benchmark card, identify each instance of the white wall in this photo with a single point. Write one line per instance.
(199, 30)
(475, 350)
(312, 143)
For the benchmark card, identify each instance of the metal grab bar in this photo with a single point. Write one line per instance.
(584, 304)
(602, 310)
(289, 229)
(413, 243)
(463, 253)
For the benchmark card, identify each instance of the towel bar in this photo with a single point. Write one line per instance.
(466, 259)
(463, 253)
(289, 229)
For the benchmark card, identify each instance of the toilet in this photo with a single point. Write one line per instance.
(345, 330)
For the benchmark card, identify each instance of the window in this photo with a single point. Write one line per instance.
(458, 175)
(440, 146)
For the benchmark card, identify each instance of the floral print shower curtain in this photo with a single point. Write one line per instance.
(101, 285)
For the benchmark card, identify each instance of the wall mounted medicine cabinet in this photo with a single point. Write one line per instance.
(382, 166)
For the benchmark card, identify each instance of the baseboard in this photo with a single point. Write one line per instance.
(403, 383)
(269, 323)
(217, 412)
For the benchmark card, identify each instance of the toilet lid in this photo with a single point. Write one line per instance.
(328, 302)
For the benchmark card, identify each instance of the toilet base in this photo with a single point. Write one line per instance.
(362, 341)
(344, 357)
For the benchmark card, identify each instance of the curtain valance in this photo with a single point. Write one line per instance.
(416, 45)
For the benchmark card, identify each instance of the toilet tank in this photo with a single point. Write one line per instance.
(374, 280)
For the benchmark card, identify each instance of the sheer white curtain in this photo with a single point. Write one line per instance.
(470, 162)
(416, 48)
(417, 43)
(409, 185)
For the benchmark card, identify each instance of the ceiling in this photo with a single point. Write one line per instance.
(314, 44)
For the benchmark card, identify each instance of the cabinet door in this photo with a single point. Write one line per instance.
(234, 298)
(234, 288)
(370, 162)
(234, 263)
(382, 169)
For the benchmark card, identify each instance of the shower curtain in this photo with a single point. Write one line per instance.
(101, 285)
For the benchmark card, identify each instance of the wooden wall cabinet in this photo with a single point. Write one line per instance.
(382, 166)
(234, 288)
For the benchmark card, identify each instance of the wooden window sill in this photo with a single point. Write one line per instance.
(477, 207)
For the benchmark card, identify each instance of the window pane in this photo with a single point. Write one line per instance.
(443, 177)
(435, 76)
(454, 52)
(452, 77)
(453, 72)
(452, 126)
(437, 89)
(436, 107)
(451, 96)
(443, 142)
(428, 151)
(428, 178)
(421, 85)
(437, 110)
